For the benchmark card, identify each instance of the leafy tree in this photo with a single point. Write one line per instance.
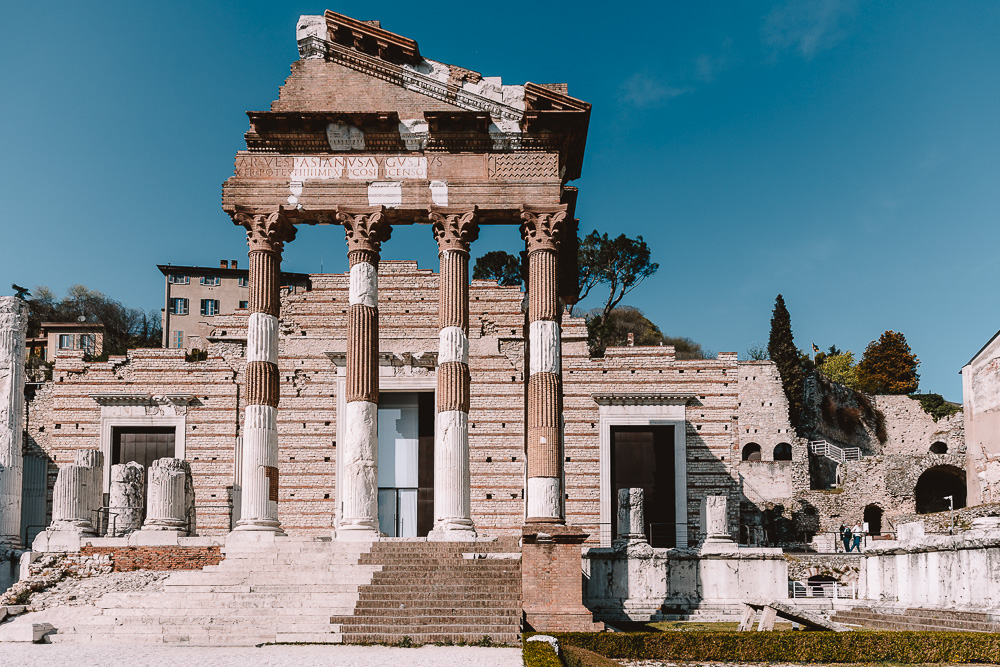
(840, 368)
(936, 406)
(782, 351)
(621, 264)
(124, 327)
(889, 366)
(625, 320)
(500, 266)
(820, 357)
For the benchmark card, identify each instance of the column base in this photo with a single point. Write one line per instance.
(353, 533)
(452, 530)
(259, 525)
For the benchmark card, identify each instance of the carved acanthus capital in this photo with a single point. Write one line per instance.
(454, 231)
(13, 314)
(266, 231)
(365, 232)
(542, 231)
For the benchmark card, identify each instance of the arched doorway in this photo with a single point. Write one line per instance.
(873, 517)
(939, 448)
(935, 485)
(782, 452)
(821, 586)
(751, 452)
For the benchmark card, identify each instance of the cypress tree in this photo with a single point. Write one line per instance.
(782, 351)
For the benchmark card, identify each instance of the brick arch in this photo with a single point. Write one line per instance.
(752, 452)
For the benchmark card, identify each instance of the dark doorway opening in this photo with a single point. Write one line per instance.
(782, 452)
(751, 452)
(934, 487)
(939, 448)
(142, 444)
(643, 457)
(873, 517)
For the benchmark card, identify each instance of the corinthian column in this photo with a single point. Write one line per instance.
(267, 234)
(13, 322)
(358, 487)
(454, 233)
(542, 234)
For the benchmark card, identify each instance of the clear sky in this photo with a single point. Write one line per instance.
(844, 154)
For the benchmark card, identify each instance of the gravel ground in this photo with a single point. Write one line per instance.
(83, 655)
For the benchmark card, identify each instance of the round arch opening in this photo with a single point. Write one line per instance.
(782, 452)
(934, 487)
(873, 517)
(939, 448)
(751, 452)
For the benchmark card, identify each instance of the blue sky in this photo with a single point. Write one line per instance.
(844, 154)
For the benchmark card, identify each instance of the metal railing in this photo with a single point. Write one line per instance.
(830, 451)
(822, 589)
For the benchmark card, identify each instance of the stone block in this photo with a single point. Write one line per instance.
(26, 633)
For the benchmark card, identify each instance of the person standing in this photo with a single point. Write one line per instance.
(845, 536)
(857, 532)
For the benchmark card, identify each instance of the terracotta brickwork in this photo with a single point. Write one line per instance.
(126, 559)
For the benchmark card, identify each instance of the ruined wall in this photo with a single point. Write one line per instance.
(981, 401)
(841, 416)
(910, 430)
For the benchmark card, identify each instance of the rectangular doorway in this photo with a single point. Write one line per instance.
(142, 444)
(643, 457)
(406, 463)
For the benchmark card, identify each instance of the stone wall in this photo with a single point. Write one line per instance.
(910, 430)
(66, 414)
(126, 559)
(981, 402)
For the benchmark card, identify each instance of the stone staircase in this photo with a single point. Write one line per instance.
(274, 590)
(438, 592)
(919, 619)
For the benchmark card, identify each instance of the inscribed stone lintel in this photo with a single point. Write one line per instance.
(271, 473)
(374, 167)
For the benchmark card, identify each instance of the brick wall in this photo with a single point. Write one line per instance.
(126, 559)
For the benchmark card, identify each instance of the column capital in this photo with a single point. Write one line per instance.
(454, 230)
(365, 231)
(267, 231)
(543, 230)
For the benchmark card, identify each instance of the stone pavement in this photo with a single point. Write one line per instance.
(39, 655)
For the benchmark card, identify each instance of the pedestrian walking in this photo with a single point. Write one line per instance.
(856, 533)
(845, 536)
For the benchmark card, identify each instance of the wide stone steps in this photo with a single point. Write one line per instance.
(920, 619)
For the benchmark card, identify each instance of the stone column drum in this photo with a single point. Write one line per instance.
(78, 493)
(13, 324)
(125, 501)
(454, 233)
(167, 504)
(266, 235)
(357, 490)
(542, 233)
(631, 515)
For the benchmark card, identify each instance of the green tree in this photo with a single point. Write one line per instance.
(889, 366)
(625, 320)
(840, 368)
(500, 266)
(621, 264)
(782, 351)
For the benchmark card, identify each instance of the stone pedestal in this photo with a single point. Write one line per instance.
(168, 505)
(452, 501)
(715, 526)
(78, 493)
(552, 579)
(125, 499)
(267, 232)
(631, 516)
(13, 323)
(358, 484)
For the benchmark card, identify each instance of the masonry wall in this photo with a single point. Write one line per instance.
(64, 416)
(981, 400)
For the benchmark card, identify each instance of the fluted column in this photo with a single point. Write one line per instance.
(166, 507)
(13, 323)
(454, 233)
(542, 233)
(78, 493)
(266, 235)
(358, 487)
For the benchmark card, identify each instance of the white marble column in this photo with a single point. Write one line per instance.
(267, 233)
(125, 498)
(13, 323)
(357, 489)
(166, 505)
(78, 493)
(631, 515)
(454, 232)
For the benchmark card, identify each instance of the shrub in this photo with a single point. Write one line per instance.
(802, 647)
(540, 654)
(936, 406)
